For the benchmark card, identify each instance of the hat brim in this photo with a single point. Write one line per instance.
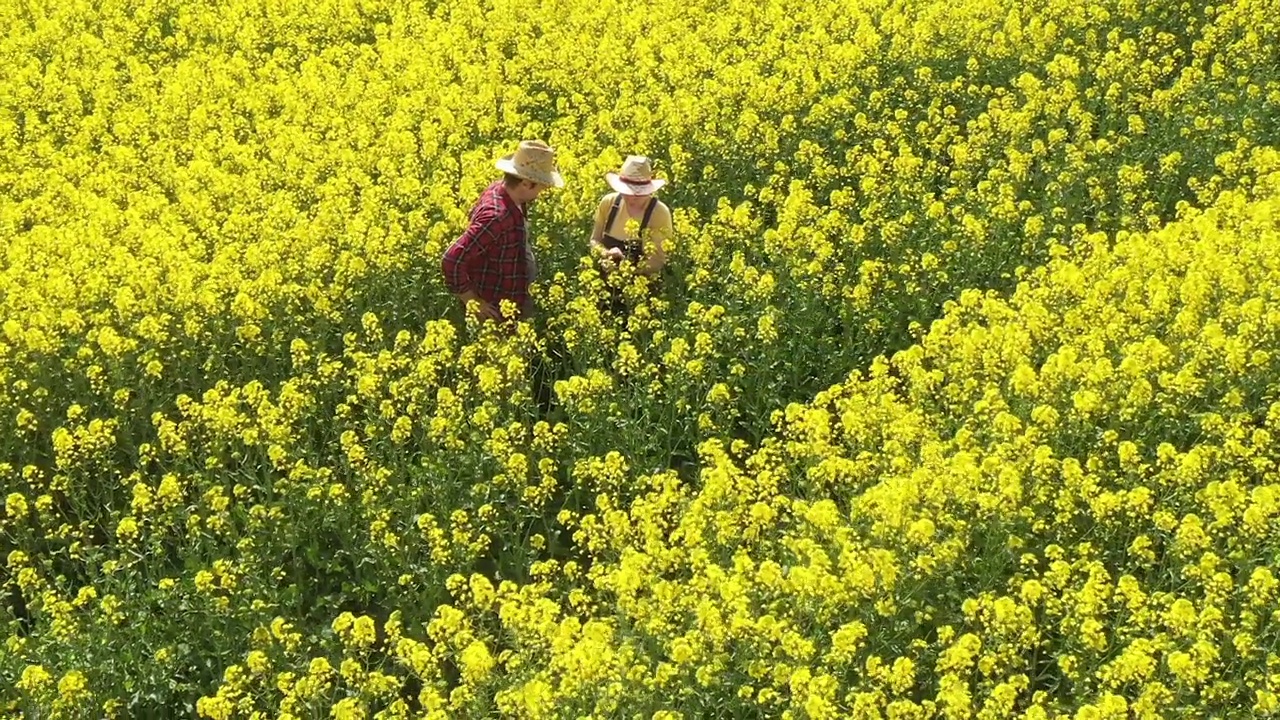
(616, 182)
(507, 165)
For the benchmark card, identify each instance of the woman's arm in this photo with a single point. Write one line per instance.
(597, 229)
(658, 234)
(603, 255)
(657, 259)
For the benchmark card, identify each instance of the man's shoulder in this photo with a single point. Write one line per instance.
(492, 204)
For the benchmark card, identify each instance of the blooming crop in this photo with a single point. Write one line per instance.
(955, 399)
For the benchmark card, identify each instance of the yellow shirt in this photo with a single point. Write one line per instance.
(660, 226)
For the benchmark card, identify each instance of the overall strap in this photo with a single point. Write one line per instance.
(613, 213)
(648, 213)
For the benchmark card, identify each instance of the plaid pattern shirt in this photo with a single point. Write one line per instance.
(492, 256)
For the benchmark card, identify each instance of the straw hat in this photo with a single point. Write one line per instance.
(533, 160)
(636, 177)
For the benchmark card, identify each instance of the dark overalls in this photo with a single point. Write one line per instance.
(632, 250)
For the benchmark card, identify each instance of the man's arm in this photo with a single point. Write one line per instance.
(473, 244)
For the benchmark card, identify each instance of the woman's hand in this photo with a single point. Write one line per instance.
(610, 258)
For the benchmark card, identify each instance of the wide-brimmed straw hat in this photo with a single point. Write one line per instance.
(635, 177)
(533, 160)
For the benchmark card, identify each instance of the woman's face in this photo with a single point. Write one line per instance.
(636, 203)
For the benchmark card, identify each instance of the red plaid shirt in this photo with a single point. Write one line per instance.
(490, 256)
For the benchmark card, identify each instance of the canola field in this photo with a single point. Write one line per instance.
(959, 398)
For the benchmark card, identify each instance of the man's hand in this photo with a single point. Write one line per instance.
(484, 309)
(488, 311)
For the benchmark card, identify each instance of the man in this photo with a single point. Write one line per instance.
(493, 260)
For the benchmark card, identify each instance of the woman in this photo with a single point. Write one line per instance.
(634, 186)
